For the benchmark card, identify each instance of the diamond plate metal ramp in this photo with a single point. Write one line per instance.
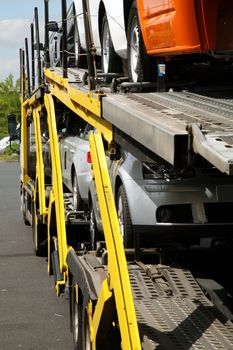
(178, 317)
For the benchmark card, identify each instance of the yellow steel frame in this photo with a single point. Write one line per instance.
(83, 104)
(39, 162)
(32, 107)
(117, 285)
(57, 187)
(118, 281)
(24, 142)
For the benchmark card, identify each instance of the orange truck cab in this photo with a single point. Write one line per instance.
(175, 27)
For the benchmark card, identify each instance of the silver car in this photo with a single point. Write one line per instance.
(75, 161)
(154, 199)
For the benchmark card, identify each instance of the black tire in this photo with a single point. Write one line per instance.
(87, 336)
(77, 200)
(60, 60)
(25, 221)
(52, 234)
(95, 234)
(76, 320)
(110, 61)
(24, 207)
(39, 232)
(141, 67)
(124, 218)
(79, 58)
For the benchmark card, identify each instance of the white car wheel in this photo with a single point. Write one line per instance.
(110, 61)
(80, 58)
(134, 52)
(141, 67)
(105, 48)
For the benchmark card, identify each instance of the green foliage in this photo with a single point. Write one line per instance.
(13, 149)
(11, 153)
(9, 102)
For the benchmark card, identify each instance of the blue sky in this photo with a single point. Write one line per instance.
(15, 19)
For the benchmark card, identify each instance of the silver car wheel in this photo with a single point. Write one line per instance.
(120, 215)
(124, 218)
(75, 193)
(134, 50)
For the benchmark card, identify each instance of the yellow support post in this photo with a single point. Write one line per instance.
(104, 296)
(118, 280)
(57, 187)
(39, 161)
(24, 143)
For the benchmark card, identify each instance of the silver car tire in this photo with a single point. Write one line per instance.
(77, 200)
(124, 218)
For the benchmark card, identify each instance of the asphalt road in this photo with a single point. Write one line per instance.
(31, 316)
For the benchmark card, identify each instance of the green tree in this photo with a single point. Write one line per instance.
(9, 102)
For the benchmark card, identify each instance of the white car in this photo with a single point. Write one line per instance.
(116, 38)
(4, 143)
(118, 34)
(109, 32)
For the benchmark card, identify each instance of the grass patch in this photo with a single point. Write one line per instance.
(11, 153)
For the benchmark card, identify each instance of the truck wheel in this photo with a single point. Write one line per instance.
(140, 66)
(110, 61)
(87, 336)
(77, 200)
(39, 232)
(76, 320)
(23, 206)
(124, 218)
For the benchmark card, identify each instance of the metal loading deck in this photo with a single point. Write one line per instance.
(172, 311)
(176, 314)
(163, 122)
(169, 124)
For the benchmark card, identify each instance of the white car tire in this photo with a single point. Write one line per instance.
(141, 67)
(110, 61)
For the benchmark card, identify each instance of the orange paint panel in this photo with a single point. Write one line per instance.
(171, 27)
(168, 24)
(156, 33)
